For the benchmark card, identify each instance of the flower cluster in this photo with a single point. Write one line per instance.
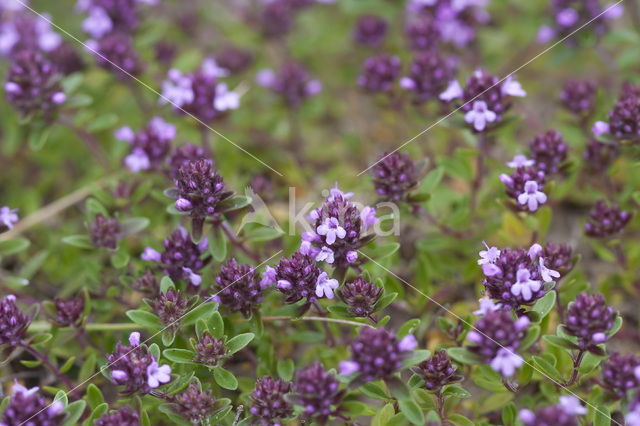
(377, 353)
(268, 400)
(13, 322)
(170, 308)
(437, 371)
(598, 155)
(182, 258)
(32, 86)
(193, 404)
(115, 52)
(238, 288)
(606, 220)
(291, 82)
(370, 30)
(516, 277)
(578, 96)
(200, 94)
(339, 230)
(428, 76)
(562, 414)
(485, 98)
(150, 146)
(234, 59)
(69, 312)
(589, 319)
(122, 417)
(296, 277)
(209, 350)
(200, 190)
(570, 16)
(525, 184)
(361, 297)
(26, 406)
(496, 338)
(624, 118)
(183, 155)
(380, 72)
(105, 232)
(548, 151)
(423, 33)
(317, 391)
(394, 175)
(135, 368)
(618, 373)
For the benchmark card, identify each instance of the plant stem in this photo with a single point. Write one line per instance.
(440, 405)
(51, 366)
(238, 244)
(576, 364)
(559, 306)
(39, 326)
(315, 318)
(511, 387)
(239, 410)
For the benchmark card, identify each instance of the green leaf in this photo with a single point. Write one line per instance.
(88, 367)
(374, 390)
(617, 325)
(509, 414)
(286, 369)
(97, 412)
(216, 325)
(258, 233)
(38, 136)
(81, 241)
(533, 333)
(239, 342)
(154, 350)
(225, 378)
(74, 412)
(408, 327)
(104, 122)
(380, 251)
(13, 246)
(134, 224)
(561, 342)
(166, 283)
(217, 245)
(181, 356)
(144, 318)
(62, 397)
(411, 411)
(416, 357)
(463, 356)
(398, 388)
(168, 335)
(457, 391)
(545, 304)
(547, 368)
(235, 202)
(383, 416)
(385, 301)
(94, 396)
(460, 420)
(120, 259)
(68, 364)
(202, 311)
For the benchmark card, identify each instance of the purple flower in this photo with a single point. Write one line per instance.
(26, 406)
(588, 318)
(520, 161)
(182, 155)
(268, 400)
(549, 151)
(105, 232)
(368, 217)
(347, 368)
(325, 255)
(122, 417)
(548, 275)
(605, 221)
(209, 350)
(370, 30)
(423, 33)
(578, 96)
(352, 256)
(516, 185)
(394, 176)
(129, 366)
(562, 414)
(600, 128)
(97, 23)
(238, 287)
(151, 255)
(297, 277)
(317, 392)
(532, 197)
(200, 184)
(524, 285)
(571, 405)
(157, 374)
(511, 87)
(599, 155)
(170, 308)
(489, 255)
(437, 371)
(115, 52)
(8, 217)
(487, 305)
(379, 73)
(408, 343)
(292, 82)
(325, 286)
(506, 362)
(361, 296)
(567, 17)
(618, 374)
(268, 277)
(13, 322)
(480, 115)
(331, 229)
(177, 89)
(453, 91)
(69, 312)
(429, 75)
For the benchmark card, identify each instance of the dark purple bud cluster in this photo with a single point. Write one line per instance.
(554, 415)
(207, 90)
(501, 279)
(370, 30)
(209, 350)
(589, 319)
(122, 13)
(150, 146)
(380, 72)
(200, 190)
(570, 15)
(394, 176)
(115, 52)
(429, 75)
(147, 283)
(578, 96)
(377, 353)
(624, 118)
(599, 155)
(183, 155)
(13, 322)
(296, 277)
(494, 332)
(27, 407)
(268, 401)
(549, 151)
(438, 371)
(129, 366)
(618, 373)
(182, 258)
(66, 59)
(605, 221)
(122, 417)
(32, 85)
(105, 232)
(558, 257)
(69, 312)
(277, 18)
(515, 183)
(423, 33)
(193, 404)
(482, 86)
(165, 52)
(361, 296)
(234, 59)
(170, 308)
(238, 287)
(317, 391)
(294, 84)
